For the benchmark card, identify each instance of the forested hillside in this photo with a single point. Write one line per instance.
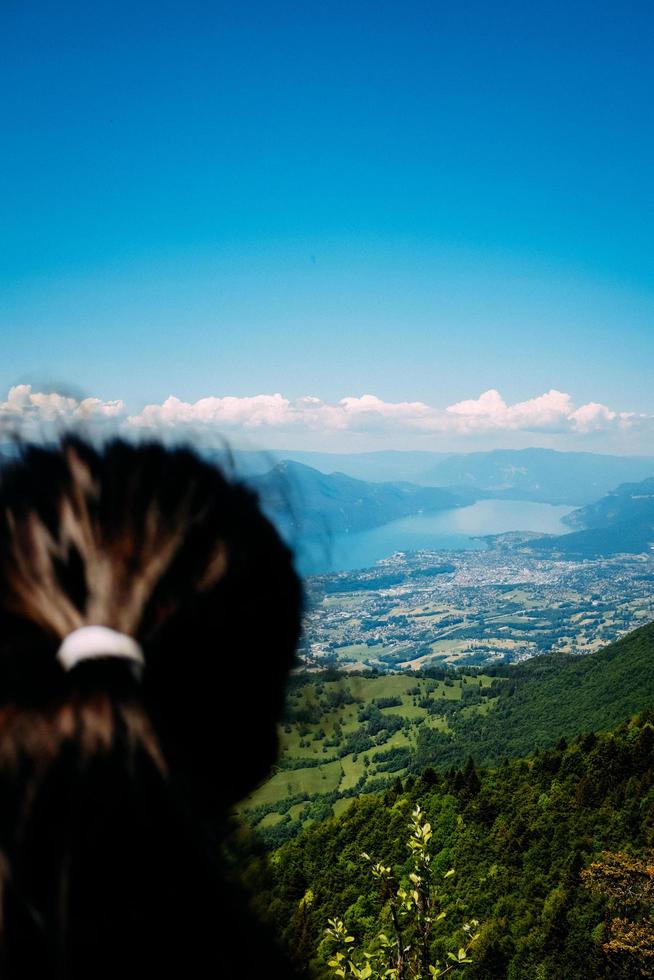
(519, 837)
(552, 696)
(347, 734)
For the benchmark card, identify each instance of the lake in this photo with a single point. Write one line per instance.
(443, 530)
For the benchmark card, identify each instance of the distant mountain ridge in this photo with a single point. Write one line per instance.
(543, 475)
(302, 500)
(306, 502)
(630, 502)
(539, 474)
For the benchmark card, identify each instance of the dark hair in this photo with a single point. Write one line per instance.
(112, 790)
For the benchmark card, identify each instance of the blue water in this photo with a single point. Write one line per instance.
(445, 530)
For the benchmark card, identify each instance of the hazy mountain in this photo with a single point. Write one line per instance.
(520, 474)
(302, 500)
(559, 694)
(385, 466)
(622, 521)
(631, 503)
(377, 467)
(539, 474)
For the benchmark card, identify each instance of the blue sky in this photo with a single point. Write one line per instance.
(420, 202)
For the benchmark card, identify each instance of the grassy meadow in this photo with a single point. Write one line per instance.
(352, 734)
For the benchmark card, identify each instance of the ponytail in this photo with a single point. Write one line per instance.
(108, 776)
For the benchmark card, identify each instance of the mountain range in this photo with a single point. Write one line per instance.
(307, 503)
(543, 475)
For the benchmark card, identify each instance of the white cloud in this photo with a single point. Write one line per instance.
(488, 404)
(372, 411)
(553, 413)
(594, 416)
(25, 407)
(273, 411)
(250, 412)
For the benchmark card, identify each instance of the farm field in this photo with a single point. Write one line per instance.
(353, 734)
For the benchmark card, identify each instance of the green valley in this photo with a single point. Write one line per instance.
(346, 734)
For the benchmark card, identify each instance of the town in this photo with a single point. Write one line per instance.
(503, 604)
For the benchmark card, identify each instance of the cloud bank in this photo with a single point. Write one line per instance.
(552, 412)
(259, 416)
(24, 407)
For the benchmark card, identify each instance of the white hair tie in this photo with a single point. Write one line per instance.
(91, 642)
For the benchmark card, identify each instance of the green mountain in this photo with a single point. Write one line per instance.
(559, 695)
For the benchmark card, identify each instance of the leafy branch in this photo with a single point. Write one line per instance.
(412, 908)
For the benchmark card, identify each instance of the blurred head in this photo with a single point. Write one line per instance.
(98, 768)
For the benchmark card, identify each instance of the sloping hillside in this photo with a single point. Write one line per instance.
(302, 500)
(555, 696)
(517, 837)
(621, 522)
(351, 734)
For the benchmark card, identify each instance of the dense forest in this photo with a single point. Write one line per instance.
(552, 852)
(518, 836)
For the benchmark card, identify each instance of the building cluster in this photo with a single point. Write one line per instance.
(423, 609)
